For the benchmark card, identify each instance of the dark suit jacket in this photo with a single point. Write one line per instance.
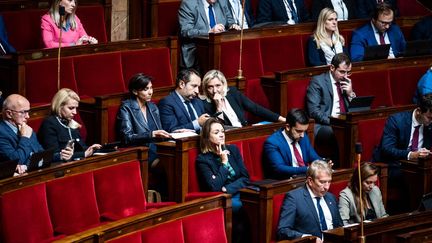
(298, 215)
(396, 137)
(274, 10)
(240, 103)
(193, 22)
(52, 135)
(365, 36)
(316, 56)
(422, 30)
(365, 8)
(249, 17)
(14, 147)
(212, 175)
(278, 159)
(319, 98)
(4, 39)
(174, 115)
(318, 5)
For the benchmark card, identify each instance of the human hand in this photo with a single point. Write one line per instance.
(25, 130)
(203, 118)
(92, 40)
(21, 169)
(161, 134)
(66, 153)
(346, 86)
(235, 27)
(82, 40)
(90, 150)
(222, 152)
(183, 130)
(217, 28)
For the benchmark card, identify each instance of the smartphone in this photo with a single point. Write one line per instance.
(216, 114)
(70, 143)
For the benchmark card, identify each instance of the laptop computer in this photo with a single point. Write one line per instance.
(40, 160)
(7, 168)
(360, 103)
(376, 52)
(418, 48)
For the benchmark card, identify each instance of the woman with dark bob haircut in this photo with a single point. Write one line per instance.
(138, 119)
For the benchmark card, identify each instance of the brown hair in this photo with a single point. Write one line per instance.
(367, 170)
(205, 143)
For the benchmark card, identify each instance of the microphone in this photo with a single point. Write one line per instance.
(358, 151)
(62, 13)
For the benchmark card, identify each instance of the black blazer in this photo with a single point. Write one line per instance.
(318, 5)
(275, 11)
(212, 175)
(365, 8)
(240, 103)
(53, 135)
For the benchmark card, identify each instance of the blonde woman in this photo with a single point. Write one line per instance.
(60, 127)
(73, 31)
(326, 40)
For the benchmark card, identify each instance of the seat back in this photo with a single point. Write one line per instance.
(337, 187)
(374, 83)
(296, 93)
(119, 190)
(24, 215)
(406, 78)
(370, 139)
(205, 227)
(167, 232)
(252, 154)
(193, 183)
(166, 22)
(277, 204)
(282, 53)
(93, 20)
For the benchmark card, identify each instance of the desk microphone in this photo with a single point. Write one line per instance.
(62, 13)
(358, 151)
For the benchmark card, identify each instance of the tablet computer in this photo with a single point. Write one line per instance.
(360, 103)
(418, 48)
(40, 160)
(376, 52)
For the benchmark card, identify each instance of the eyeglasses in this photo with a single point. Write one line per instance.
(383, 23)
(344, 72)
(24, 112)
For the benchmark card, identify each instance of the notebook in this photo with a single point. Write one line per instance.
(40, 160)
(360, 103)
(418, 48)
(7, 168)
(376, 52)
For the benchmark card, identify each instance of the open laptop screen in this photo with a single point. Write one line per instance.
(376, 52)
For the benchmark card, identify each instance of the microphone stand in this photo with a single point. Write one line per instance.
(362, 238)
(240, 71)
(62, 17)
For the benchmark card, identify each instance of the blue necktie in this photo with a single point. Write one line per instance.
(190, 110)
(321, 215)
(293, 12)
(211, 17)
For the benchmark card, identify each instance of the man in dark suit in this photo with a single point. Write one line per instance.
(17, 139)
(303, 211)
(289, 11)
(381, 30)
(366, 7)
(406, 135)
(329, 95)
(197, 17)
(236, 9)
(5, 46)
(422, 30)
(288, 151)
(345, 9)
(181, 109)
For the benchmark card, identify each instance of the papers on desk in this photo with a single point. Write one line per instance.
(177, 135)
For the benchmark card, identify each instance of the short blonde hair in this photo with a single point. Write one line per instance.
(61, 98)
(320, 33)
(210, 75)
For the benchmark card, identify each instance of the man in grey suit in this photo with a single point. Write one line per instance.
(200, 17)
(328, 95)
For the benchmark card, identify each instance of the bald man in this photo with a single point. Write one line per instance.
(17, 139)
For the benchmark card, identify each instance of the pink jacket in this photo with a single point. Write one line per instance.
(51, 33)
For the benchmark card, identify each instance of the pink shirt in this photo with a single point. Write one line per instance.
(51, 33)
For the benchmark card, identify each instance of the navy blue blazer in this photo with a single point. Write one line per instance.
(4, 39)
(274, 10)
(278, 160)
(212, 175)
(365, 8)
(365, 36)
(316, 56)
(318, 5)
(14, 147)
(298, 215)
(422, 30)
(174, 115)
(396, 138)
(240, 103)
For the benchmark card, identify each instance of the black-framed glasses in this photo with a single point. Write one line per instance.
(383, 23)
(24, 112)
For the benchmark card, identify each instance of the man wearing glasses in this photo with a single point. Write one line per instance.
(17, 139)
(328, 95)
(380, 31)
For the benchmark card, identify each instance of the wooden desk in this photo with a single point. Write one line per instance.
(382, 230)
(418, 178)
(76, 167)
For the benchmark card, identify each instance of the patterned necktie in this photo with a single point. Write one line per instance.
(321, 215)
(415, 138)
(190, 110)
(341, 101)
(211, 16)
(297, 155)
(293, 11)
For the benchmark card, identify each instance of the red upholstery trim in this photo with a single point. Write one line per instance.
(205, 227)
(166, 232)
